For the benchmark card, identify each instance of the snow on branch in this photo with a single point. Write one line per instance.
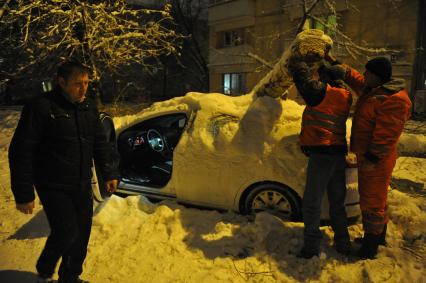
(105, 35)
(351, 47)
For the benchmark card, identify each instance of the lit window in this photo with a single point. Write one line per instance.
(233, 84)
(46, 85)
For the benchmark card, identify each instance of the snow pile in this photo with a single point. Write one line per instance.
(9, 120)
(411, 172)
(412, 144)
(136, 241)
(409, 212)
(176, 244)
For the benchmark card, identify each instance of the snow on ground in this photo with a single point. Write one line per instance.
(134, 240)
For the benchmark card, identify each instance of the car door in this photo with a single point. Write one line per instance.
(146, 151)
(98, 183)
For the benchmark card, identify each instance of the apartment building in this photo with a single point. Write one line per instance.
(246, 37)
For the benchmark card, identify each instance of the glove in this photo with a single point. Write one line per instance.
(295, 65)
(331, 59)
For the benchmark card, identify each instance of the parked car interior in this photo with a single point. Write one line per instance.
(146, 150)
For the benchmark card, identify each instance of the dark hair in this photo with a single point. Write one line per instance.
(68, 67)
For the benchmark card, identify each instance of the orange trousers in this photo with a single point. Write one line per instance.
(373, 192)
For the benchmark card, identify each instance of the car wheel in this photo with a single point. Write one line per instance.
(275, 199)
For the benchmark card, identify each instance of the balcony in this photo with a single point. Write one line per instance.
(237, 55)
(242, 12)
(218, 2)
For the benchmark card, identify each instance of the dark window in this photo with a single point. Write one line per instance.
(227, 38)
(232, 38)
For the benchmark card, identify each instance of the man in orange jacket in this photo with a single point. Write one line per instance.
(323, 139)
(382, 109)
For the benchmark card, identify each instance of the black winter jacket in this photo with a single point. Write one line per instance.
(54, 144)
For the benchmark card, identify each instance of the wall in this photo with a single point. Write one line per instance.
(376, 22)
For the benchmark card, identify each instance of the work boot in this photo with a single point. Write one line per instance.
(382, 239)
(370, 244)
(342, 243)
(343, 248)
(306, 253)
(44, 279)
(72, 280)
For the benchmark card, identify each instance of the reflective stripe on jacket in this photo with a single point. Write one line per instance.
(325, 124)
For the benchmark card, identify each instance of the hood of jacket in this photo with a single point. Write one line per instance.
(394, 85)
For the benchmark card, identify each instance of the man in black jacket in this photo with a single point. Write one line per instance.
(57, 137)
(323, 139)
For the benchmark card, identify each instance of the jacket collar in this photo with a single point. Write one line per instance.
(62, 96)
(390, 87)
(394, 85)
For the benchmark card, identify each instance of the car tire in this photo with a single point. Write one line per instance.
(276, 199)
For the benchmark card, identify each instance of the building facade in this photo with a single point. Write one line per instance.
(246, 37)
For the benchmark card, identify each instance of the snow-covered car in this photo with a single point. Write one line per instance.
(212, 150)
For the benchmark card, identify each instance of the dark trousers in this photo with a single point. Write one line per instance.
(326, 172)
(69, 214)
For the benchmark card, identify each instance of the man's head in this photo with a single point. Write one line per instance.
(73, 78)
(377, 71)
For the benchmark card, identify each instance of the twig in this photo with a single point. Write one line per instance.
(261, 60)
(3, 8)
(413, 252)
(349, 43)
(306, 12)
(250, 274)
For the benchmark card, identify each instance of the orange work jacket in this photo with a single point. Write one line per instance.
(325, 124)
(379, 116)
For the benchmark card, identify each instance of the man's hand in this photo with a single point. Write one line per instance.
(111, 185)
(351, 160)
(26, 208)
(295, 65)
(329, 58)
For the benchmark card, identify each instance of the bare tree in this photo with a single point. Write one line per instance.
(108, 36)
(191, 15)
(340, 38)
(189, 71)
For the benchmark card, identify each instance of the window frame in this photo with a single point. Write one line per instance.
(233, 37)
(236, 84)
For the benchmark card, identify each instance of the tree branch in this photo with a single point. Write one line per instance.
(3, 8)
(348, 43)
(306, 12)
